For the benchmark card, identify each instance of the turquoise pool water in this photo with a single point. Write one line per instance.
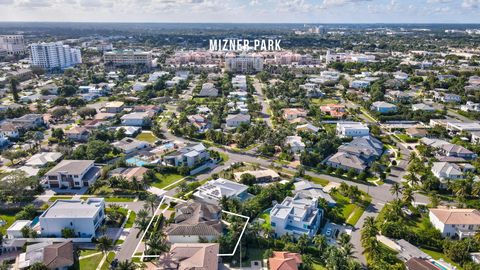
(439, 265)
(34, 222)
(136, 161)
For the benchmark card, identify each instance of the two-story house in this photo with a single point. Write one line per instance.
(452, 223)
(84, 217)
(72, 173)
(296, 216)
(190, 156)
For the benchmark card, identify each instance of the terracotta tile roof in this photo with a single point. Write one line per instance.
(191, 256)
(419, 264)
(194, 218)
(457, 216)
(284, 261)
(58, 255)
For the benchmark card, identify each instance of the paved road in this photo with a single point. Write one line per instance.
(261, 98)
(128, 247)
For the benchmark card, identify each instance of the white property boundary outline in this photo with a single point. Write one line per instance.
(177, 199)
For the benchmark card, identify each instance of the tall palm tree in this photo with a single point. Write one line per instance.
(303, 242)
(157, 244)
(126, 265)
(307, 260)
(369, 228)
(344, 239)
(347, 250)
(396, 189)
(408, 196)
(104, 244)
(152, 202)
(321, 244)
(141, 221)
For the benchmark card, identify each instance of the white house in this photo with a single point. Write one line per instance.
(422, 107)
(383, 107)
(470, 107)
(295, 143)
(296, 216)
(84, 217)
(214, 190)
(445, 170)
(235, 120)
(190, 156)
(352, 129)
(459, 223)
(42, 159)
(15, 230)
(130, 145)
(72, 173)
(359, 84)
(138, 119)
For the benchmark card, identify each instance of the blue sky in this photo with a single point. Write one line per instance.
(266, 11)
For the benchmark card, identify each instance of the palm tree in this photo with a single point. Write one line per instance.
(369, 228)
(320, 242)
(141, 221)
(347, 250)
(303, 242)
(344, 239)
(104, 244)
(408, 197)
(307, 260)
(396, 189)
(126, 265)
(14, 89)
(152, 201)
(157, 244)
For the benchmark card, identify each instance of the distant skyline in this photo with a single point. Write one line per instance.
(243, 11)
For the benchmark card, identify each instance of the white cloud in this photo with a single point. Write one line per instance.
(331, 3)
(471, 3)
(438, 1)
(6, 2)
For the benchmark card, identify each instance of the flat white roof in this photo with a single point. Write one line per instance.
(74, 208)
(18, 225)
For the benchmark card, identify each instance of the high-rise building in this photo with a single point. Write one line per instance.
(243, 63)
(13, 44)
(54, 55)
(128, 58)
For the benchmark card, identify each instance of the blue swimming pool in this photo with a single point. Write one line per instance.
(136, 161)
(437, 264)
(34, 222)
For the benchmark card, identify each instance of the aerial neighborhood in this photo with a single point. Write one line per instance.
(136, 147)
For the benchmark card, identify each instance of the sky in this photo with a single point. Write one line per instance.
(243, 11)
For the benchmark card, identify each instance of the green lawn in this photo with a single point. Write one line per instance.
(266, 216)
(91, 263)
(351, 212)
(130, 220)
(61, 197)
(224, 157)
(147, 137)
(405, 138)
(323, 101)
(86, 252)
(119, 199)
(317, 180)
(106, 263)
(164, 180)
(10, 219)
(438, 255)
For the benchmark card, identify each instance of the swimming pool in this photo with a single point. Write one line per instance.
(136, 161)
(439, 265)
